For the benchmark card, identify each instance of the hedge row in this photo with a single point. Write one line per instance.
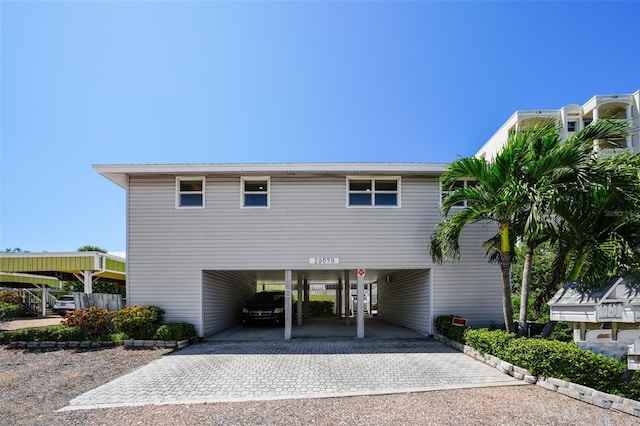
(549, 358)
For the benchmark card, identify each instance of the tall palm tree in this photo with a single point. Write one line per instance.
(516, 190)
(495, 197)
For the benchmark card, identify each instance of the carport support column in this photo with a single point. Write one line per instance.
(339, 298)
(87, 279)
(299, 303)
(360, 318)
(347, 291)
(287, 305)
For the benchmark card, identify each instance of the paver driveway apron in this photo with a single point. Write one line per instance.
(225, 371)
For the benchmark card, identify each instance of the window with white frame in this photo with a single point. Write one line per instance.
(459, 184)
(373, 192)
(255, 191)
(190, 192)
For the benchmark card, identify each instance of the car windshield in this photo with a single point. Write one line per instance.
(267, 297)
(66, 298)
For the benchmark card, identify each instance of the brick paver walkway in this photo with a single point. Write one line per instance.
(220, 371)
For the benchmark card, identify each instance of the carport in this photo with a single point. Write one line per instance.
(404, 297)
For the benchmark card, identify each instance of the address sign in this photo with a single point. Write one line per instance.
(324, 260)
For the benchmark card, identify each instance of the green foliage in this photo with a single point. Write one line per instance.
(10, 297)
(321, 307)
(9, 311)
(562, 360)
(50, 333)
(562, 332)
(139, 322)
(73, 286)
(492, 342)
(175, 331)
(108, 288)
(93, 322)
(444, 325)
(92, 248)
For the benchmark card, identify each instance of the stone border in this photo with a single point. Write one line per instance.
(135, 344)
(579, 392)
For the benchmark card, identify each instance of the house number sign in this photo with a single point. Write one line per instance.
(324, 260)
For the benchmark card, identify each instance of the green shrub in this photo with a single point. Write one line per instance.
(55, 333)
(562, 360)
(631, 387)
(444, 325)
(175, 331)
(9, 311)
(562, 332)
(138, 322)
(492, 342)
(321, 307)
(93, 322)
(10, 297)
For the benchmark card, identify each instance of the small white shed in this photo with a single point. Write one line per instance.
(605, 320)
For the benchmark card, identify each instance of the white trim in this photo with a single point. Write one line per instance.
(117, 172)
(432, 293)
(243, 179)
(373, 178)
(178, 193)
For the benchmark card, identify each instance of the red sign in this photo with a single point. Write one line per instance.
(461, 322)
(361, 272)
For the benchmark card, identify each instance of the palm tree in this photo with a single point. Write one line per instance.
(494, 197)
(517, 190)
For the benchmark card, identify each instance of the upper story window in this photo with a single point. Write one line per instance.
(255, 191)
(373, 192)
(572, 126)
(190, 192)
(459, 184)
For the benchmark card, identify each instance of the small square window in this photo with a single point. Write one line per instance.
(571, 126)
(255, 192)
(190, 192)
(373, 192)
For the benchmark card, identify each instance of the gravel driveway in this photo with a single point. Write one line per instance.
(36, 384)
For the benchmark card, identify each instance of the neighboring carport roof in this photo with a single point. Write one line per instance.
(101, 265)
(17, 280)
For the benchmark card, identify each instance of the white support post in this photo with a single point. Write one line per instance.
(43, 302)
(299, 303)
(287, 305)
(596, 142)
(347, 297)
(87, 279)
(360, 318)
(628, 137)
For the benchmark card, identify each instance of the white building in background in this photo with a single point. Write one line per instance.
(574, 117)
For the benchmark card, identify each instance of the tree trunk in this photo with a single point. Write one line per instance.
(505, 252)
(507, 308)
(577, 266)
(524, 292)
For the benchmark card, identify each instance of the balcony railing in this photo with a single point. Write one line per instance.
(608, 152)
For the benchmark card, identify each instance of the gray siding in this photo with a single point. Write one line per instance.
(169, 248)
(404, 300)
(472, 287)
(223, 295)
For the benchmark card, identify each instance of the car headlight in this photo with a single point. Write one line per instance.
(278, 310)
(245, 310)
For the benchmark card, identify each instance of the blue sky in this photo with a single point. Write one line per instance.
(226, 82)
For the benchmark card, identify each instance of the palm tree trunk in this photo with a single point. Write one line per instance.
(505, 251)
(577, 265)
(524, 292)
(507, 308)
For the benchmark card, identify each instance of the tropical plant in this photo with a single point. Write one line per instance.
(519, 190)
(92, 248)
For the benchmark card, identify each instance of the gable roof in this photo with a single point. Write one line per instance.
(625, 290)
